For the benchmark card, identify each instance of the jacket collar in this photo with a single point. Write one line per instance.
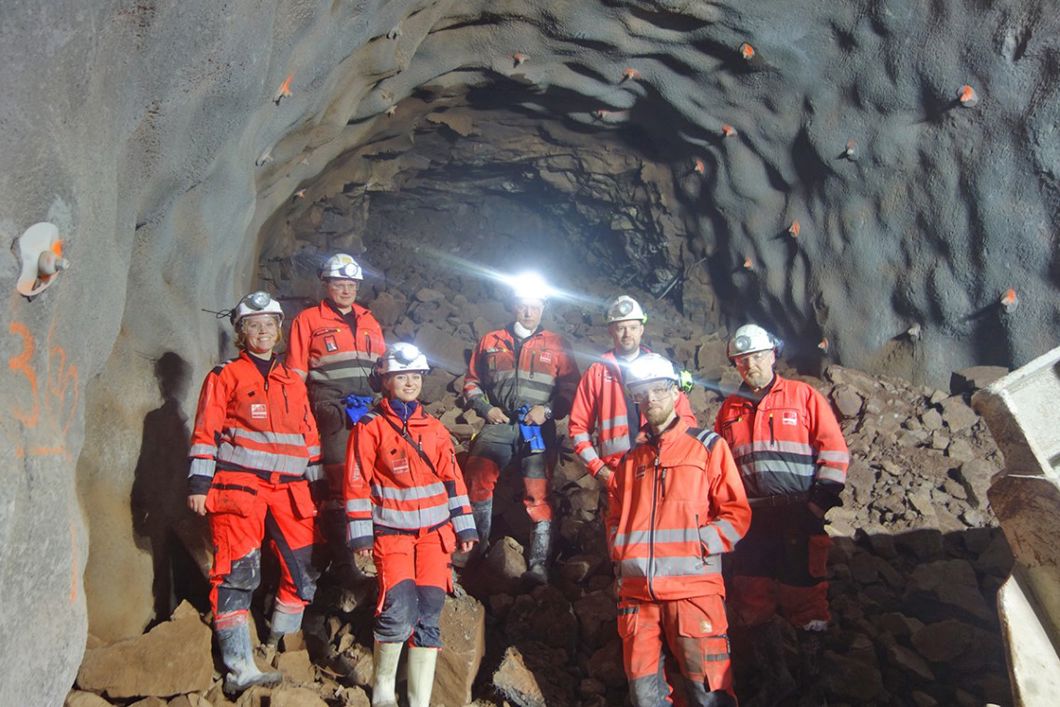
(278, 367)
(675, 430)
(387, 409)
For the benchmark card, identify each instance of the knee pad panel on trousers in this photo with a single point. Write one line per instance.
(427, 633)
(236, 587)
(400, 607)
(649, 690)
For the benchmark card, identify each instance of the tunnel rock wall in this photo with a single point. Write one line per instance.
(161, 138)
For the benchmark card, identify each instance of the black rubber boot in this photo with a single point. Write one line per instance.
(811, 689)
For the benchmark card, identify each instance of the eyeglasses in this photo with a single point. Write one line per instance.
(756, 357)
(656, 391)
(340, 284)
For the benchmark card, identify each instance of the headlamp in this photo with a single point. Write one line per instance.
(257, 300)
(405, 355)
(741, 343)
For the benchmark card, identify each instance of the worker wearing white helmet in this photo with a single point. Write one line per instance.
(604, 420)
(520, 379)
(793, 461)
(676, 505)
(407, 505)
(254, 453)
(334, 346)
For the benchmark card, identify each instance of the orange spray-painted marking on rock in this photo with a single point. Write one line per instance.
(284, 91)
(727, 130)
(698, 166)
(794, 229)
(823, 344)
(300, 194)
(630, 74)
(1010, 300)
(748, 264)
(747, 51)
(518, 59)
(967, 96)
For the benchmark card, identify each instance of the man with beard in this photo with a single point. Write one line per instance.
(793, 462)
(601, 406)
(677, 504)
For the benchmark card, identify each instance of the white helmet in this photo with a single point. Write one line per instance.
(625, 308)
(750, 338)
(529, 286)
(649, 367)
(259, 302)
(341, 266)
(402, 357)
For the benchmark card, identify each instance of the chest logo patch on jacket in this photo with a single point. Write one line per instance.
(259, 411)
(546, 357)
(329, 344)
(790, 417)
(400, 465)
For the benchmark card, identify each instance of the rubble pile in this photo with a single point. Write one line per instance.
(915, 567)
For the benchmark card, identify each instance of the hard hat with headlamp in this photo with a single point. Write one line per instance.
(259, 302)
(750, 338)
(341, 266)
(529, 286)
(625, 308)
(648, 368)
(402, 357)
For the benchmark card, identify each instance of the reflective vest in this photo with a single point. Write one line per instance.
(601, 407)
(789, 443)
(507, 372)
(334, 358)
(249, 422)
(676, 505)
(390, 484)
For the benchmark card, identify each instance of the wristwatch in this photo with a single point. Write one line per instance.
(548, 412)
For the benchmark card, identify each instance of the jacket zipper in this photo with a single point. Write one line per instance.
(651, 530)
(772, 437)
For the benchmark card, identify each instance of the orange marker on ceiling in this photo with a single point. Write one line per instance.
(698, 167)
(967, 96)
(747, 51)
(823, 344)
(284, 91)
(794, 229)
(519, 58)
(852, 149)
(727, 130)
(300, 194)
(1009, 300)
(748, 264)
(630, 74)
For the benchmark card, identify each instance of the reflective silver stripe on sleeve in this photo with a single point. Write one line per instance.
(264, 437)
(463, 523)
(619, 445)
(458, 502)
(581, 437)
(261, 461)
(358, 505)
(202, 467)
(314, 472)
(727, 531)
(827, 473)
(199, 450)
(407, 494)
(711, 539)
(616, 421)
(831, 456)
(314, 451)
(359, 529)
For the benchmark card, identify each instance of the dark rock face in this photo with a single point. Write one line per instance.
(171, 149)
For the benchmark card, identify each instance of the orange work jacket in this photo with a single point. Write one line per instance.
(507, 372)
(601, 407)
(335, 354)
(249, 422)
(390, 483)
(676, 505)
(787, 443)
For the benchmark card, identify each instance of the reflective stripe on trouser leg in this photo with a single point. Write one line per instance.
(285, 619)
(641, 632)
(696, 631)
(536, 471)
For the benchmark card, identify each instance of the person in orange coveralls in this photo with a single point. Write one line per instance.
(601, 406)
(254, 452)
(520, 380)
(406, 501)
(334, 347)
(676, 505)
(793, 461)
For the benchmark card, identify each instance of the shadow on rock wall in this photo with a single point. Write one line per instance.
(162, 523)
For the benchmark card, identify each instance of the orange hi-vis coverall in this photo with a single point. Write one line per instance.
(677, 504)
(508, 372)
(602, 408)
(790, 452)
(254, 451)
(335, 355)
(405, 498)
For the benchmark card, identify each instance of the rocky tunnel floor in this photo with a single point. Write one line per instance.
(914, 571)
